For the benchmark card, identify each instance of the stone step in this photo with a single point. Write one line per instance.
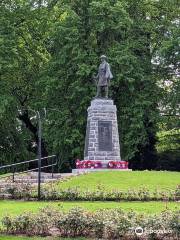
(32, 178)
(45, 176)
(29, 180)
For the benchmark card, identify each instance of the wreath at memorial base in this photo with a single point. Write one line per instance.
(97, 164)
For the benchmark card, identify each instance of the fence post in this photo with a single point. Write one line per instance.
(52, 168)
(52, 171)
(13, 170)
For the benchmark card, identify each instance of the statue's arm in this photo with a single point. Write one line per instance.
(95, 77)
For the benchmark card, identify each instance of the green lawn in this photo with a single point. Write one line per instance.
(18, 207)
(125, 180)
(3, 176)
(110, 180)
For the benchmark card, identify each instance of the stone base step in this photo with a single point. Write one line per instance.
(88, 170)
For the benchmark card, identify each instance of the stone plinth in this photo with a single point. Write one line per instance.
(102, 138)
(80, 171)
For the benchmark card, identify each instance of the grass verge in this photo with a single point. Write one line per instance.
(18, 207)
(163, 180)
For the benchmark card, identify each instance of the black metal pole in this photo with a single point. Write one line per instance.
(39, 155)
(52, 168)
(13, 173)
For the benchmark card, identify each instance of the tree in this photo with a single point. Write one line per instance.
(23, 53)
(84, 31)
(50, 50)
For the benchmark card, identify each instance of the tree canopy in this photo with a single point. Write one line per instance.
(49, 51)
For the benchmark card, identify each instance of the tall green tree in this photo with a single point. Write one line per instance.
(132, 34)
(23, 32)
(85, 30)
(49, 51)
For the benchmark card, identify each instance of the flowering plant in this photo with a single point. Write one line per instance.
(99, 164)
(118, 164)
(111, 164)
(88, 164)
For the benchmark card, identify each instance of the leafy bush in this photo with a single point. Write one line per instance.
(75, 223)
(24, 191)
(19, 191)
(32, 224)
(103, 224)
(101, 194)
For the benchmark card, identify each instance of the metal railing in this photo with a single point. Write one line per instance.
(13, 168)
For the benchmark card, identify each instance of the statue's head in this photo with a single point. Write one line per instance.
(103, 58)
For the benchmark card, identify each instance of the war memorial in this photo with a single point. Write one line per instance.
(102, 147)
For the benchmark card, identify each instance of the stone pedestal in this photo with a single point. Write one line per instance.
(102, 138)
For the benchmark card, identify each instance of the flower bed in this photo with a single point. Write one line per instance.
(97, 164)
(102, 194)
(49, 192)
(102, 224)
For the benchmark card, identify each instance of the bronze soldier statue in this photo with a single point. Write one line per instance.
(103, 78)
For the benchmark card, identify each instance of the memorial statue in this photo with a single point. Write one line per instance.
(103, 78)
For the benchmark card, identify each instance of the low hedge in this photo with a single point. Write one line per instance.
(101, 194)
(103, 224)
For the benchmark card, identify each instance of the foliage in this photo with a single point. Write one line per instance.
(106, 224)
(31, 224)
(168, 144)
(49, 51)
(100, 194)
(19, 191)
(77, 54)
(23, 53)
(169, 140)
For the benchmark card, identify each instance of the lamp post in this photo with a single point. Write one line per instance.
(39, 119)
(39, 153)
(39, 149)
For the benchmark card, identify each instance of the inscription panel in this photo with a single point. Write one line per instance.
(87, 139)
(105, 135)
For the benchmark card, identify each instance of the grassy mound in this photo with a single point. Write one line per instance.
(125, 180)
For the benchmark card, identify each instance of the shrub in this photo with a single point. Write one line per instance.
(32, 224)
(20, 224)
(75, 223)
(174, 223)
(101, 194)
(177, 193)
(103, 224)
(20, 191)
(117, 224)
(24, 191)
